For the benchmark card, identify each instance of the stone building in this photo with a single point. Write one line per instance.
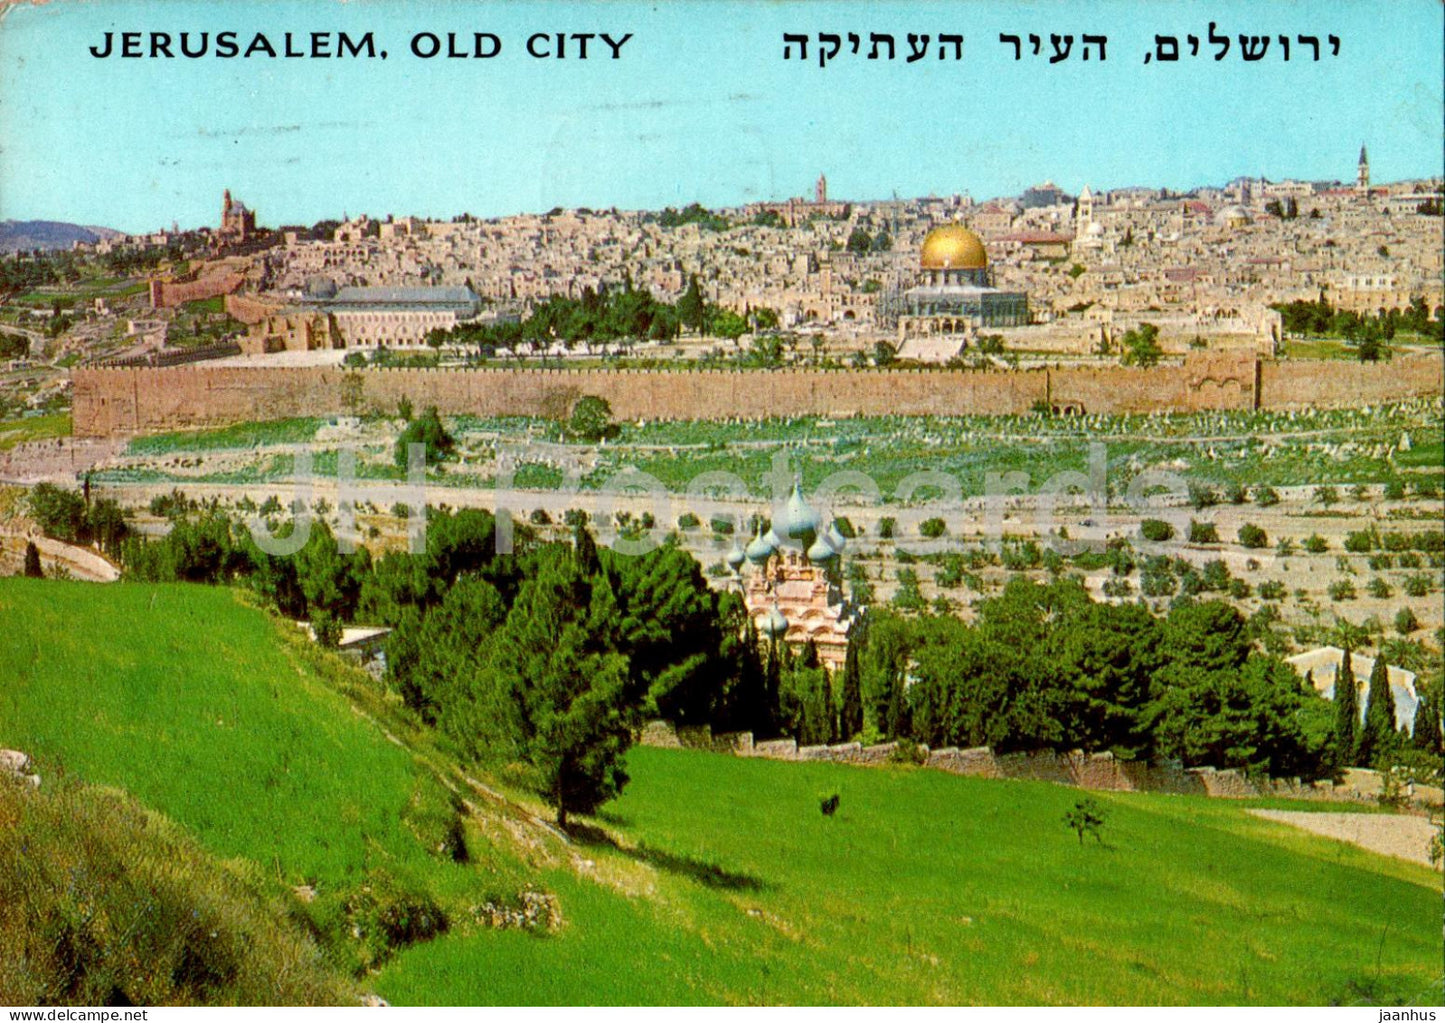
(956, 294)
(792, 593)
(237, 222)
(366, 317)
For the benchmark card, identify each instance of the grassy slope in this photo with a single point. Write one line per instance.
(730, 886)
(932, 888)
(185, 699)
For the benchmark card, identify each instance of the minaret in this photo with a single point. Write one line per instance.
(820, 189)
(1362, 173)
(225, 202)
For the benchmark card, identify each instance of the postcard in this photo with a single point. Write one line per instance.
(721, 504)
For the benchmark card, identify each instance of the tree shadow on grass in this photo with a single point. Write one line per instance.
(709, 875)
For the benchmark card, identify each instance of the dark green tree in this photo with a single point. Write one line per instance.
(1377, 736)
(1347, 713)
(1426, 734)
(32, 561)
(591, 419)
(572, 697)
(428, 431)
(851, 712)
(691, 307)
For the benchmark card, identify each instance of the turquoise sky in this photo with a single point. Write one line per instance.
(701, 107)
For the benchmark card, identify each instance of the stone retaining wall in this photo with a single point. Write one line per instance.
(1098, 771)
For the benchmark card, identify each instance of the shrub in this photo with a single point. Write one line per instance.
(1253, 536)
(1235, 494)
(1156, 530)
(1202, 532)
(1379, 588)
(845, 528)
(1405, 621)
(540, 517)
(1394, 491)
(1087, 817)
(722, 525)
(1381, 562)
(591, 419)
(428, 431)
(933, 528)
(1342, 589)
(574, 517)
(1327, 495)
(1215, 576)
(1272, 590)
(1361, 541)
(1316, 544)
(1284, 548)
(105, 903)
(887, 526)
(1202, 496)
(1359, 492)
(1266, 497)
(1424, 486)
(1418, 585)
(1239, 589)
(687, 520)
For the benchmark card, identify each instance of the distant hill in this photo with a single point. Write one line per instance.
(19, 235)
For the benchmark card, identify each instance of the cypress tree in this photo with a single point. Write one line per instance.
(32, 561)
(1377, 738)
(851, 722)
(586, 549)
(1426, 735)
(1347, 712)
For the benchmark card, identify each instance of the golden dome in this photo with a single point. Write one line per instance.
(952, 247)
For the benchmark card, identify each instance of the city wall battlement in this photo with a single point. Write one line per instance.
(113, 401)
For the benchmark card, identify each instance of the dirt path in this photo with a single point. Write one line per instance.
(1389, 834)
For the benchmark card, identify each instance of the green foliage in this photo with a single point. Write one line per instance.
(1141, 346)
(1253, 537)
(428, 431)
(1347, 713)
(1203, 532)
(60, 514)
(1316, 544)
(591, 419)
(887, 527)
(1377, 739)
(933, 528)
(1266, 496)
(1086, 817)
(1156, 530)
(105, 903)
(32, 568)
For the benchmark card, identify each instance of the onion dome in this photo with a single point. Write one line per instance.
(736, 557)
(760, 549)
(774, 623)
(836, 540)
(798, 521)
(821, 551)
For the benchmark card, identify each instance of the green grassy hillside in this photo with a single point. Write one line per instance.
(713, 879)
(931, 888)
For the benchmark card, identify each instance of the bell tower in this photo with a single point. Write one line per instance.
(1362, 173)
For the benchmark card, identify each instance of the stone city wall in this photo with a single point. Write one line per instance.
(1097, 771)
(168, 294)
(120, 401)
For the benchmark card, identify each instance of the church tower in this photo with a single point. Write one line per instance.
(1362, 173)
(1084, 219)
